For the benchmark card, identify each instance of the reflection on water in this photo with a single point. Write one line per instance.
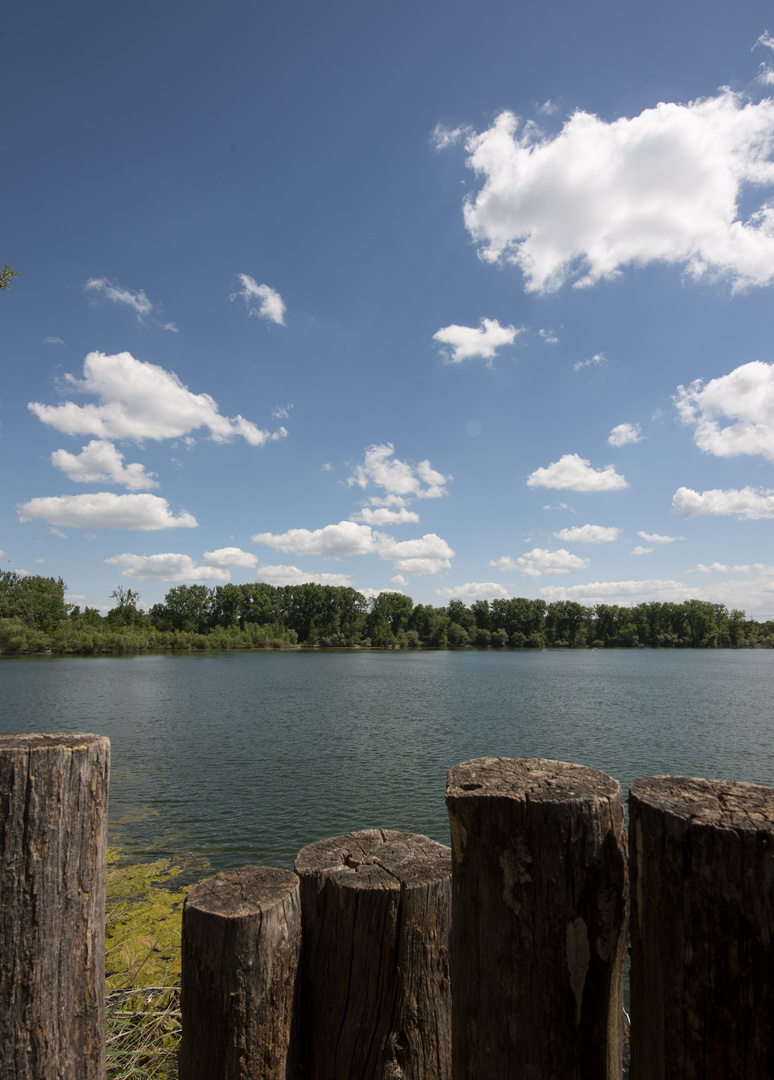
(247, 757)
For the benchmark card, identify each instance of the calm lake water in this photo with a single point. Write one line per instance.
(246, 757)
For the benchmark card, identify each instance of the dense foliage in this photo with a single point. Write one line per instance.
(34, 618)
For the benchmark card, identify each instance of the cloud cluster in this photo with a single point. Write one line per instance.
(474, 590)
(169, 567)
(746, 396)
(622, 434)
(138, 401)
(425, 555)
(399, 480)
(574, 473)
(465, 342)
(101, 462)
(657, 538)
(589, 534)
(747, 504)
(112, 291)
(662, 186)
(105, 510)
(539, 561)
(261, 300)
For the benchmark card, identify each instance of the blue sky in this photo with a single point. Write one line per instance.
(459, 300)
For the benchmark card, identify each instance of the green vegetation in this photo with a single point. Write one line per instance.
(34, 618)
(6, 274)
(143, 913)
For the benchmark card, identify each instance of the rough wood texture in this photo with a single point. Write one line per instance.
(539, 920)
(53, 840)
(241, 941)
(702, 976)
(375, 999)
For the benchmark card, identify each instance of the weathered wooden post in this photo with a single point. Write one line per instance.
(53, 842)
(375, 1001)
(702, 975)
(240, 948)
(539, 920)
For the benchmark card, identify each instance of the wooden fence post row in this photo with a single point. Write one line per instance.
(388, 957)
(53, 841)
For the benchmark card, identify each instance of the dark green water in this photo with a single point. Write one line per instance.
(247, 757)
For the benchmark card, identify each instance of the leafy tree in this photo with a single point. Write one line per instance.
(36, 601)
(126, 612)
(6, 274)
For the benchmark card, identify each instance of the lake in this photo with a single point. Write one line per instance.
(245, 757)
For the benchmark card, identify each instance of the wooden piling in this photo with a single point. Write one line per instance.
(702, 974)
(53, 843)
(240, 948)
(539, 920)
(375, 1000)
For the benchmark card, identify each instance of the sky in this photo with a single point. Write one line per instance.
(463, 301)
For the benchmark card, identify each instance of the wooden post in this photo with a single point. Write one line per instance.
(375, 1001)
(702, 976)
(53, 842)
(240, 948)
(539, 920)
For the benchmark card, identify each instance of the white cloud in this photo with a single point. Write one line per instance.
(719, 568)
(623, 434)
(169, 566)
(100, 461)
(550, 337)
(640, 550)
(589, 534)
(281, 412)
(380, 467)
(465, 342)
(53, 341)
(138, 301)
(261, 300)
(745, 395)
(539, 561)
(230, 558)
(443, 136)
(425, 555)
(574, 473)
(332, 542)
(765, 73)
(291, 575)
(141, 401)
(474, 590)
(662, 186)
(655, 538)
(384, 516)
(748, 504)
(597, 360)
(57, 532)
(171, 327)
(399, 581)
(105, 510)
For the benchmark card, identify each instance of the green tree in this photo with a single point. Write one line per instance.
(126, 612)
(37, 601)
(6, 274)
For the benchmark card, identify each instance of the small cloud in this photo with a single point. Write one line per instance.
(231, 558)
(747, 504)
(168, 566)
(550, 337)
(326, 467)
(291, 575)
(443, 136)
(112, 291)
(105, 510)
(57, 532)
(589, 534)
(597, 360)
(399, 479)
(640, 550)
(548, 108)
(482, 341)
(574, 473)
(399, 581)
(623, 434)
(382, 515)
(474, 590)
(101, 462)
(281, 412)
(261, 300)
(539, 561)
(331, 542)
(171, 327)
(655, 538)
(719, 568)
(41, 561)
(53, 341)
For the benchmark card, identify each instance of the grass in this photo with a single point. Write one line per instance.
(143, 913)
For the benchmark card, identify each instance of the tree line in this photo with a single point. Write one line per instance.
(35, 618)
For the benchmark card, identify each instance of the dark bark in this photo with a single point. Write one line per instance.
(702, 977)
(241, 940)
(375, 998)
(53, 842)
(539, 920)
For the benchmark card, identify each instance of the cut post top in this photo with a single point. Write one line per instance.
(43, 741)
(529, 780)
(237, 894)
(376, 858)
(721, 803)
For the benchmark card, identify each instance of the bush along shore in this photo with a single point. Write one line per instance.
(36, 619)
